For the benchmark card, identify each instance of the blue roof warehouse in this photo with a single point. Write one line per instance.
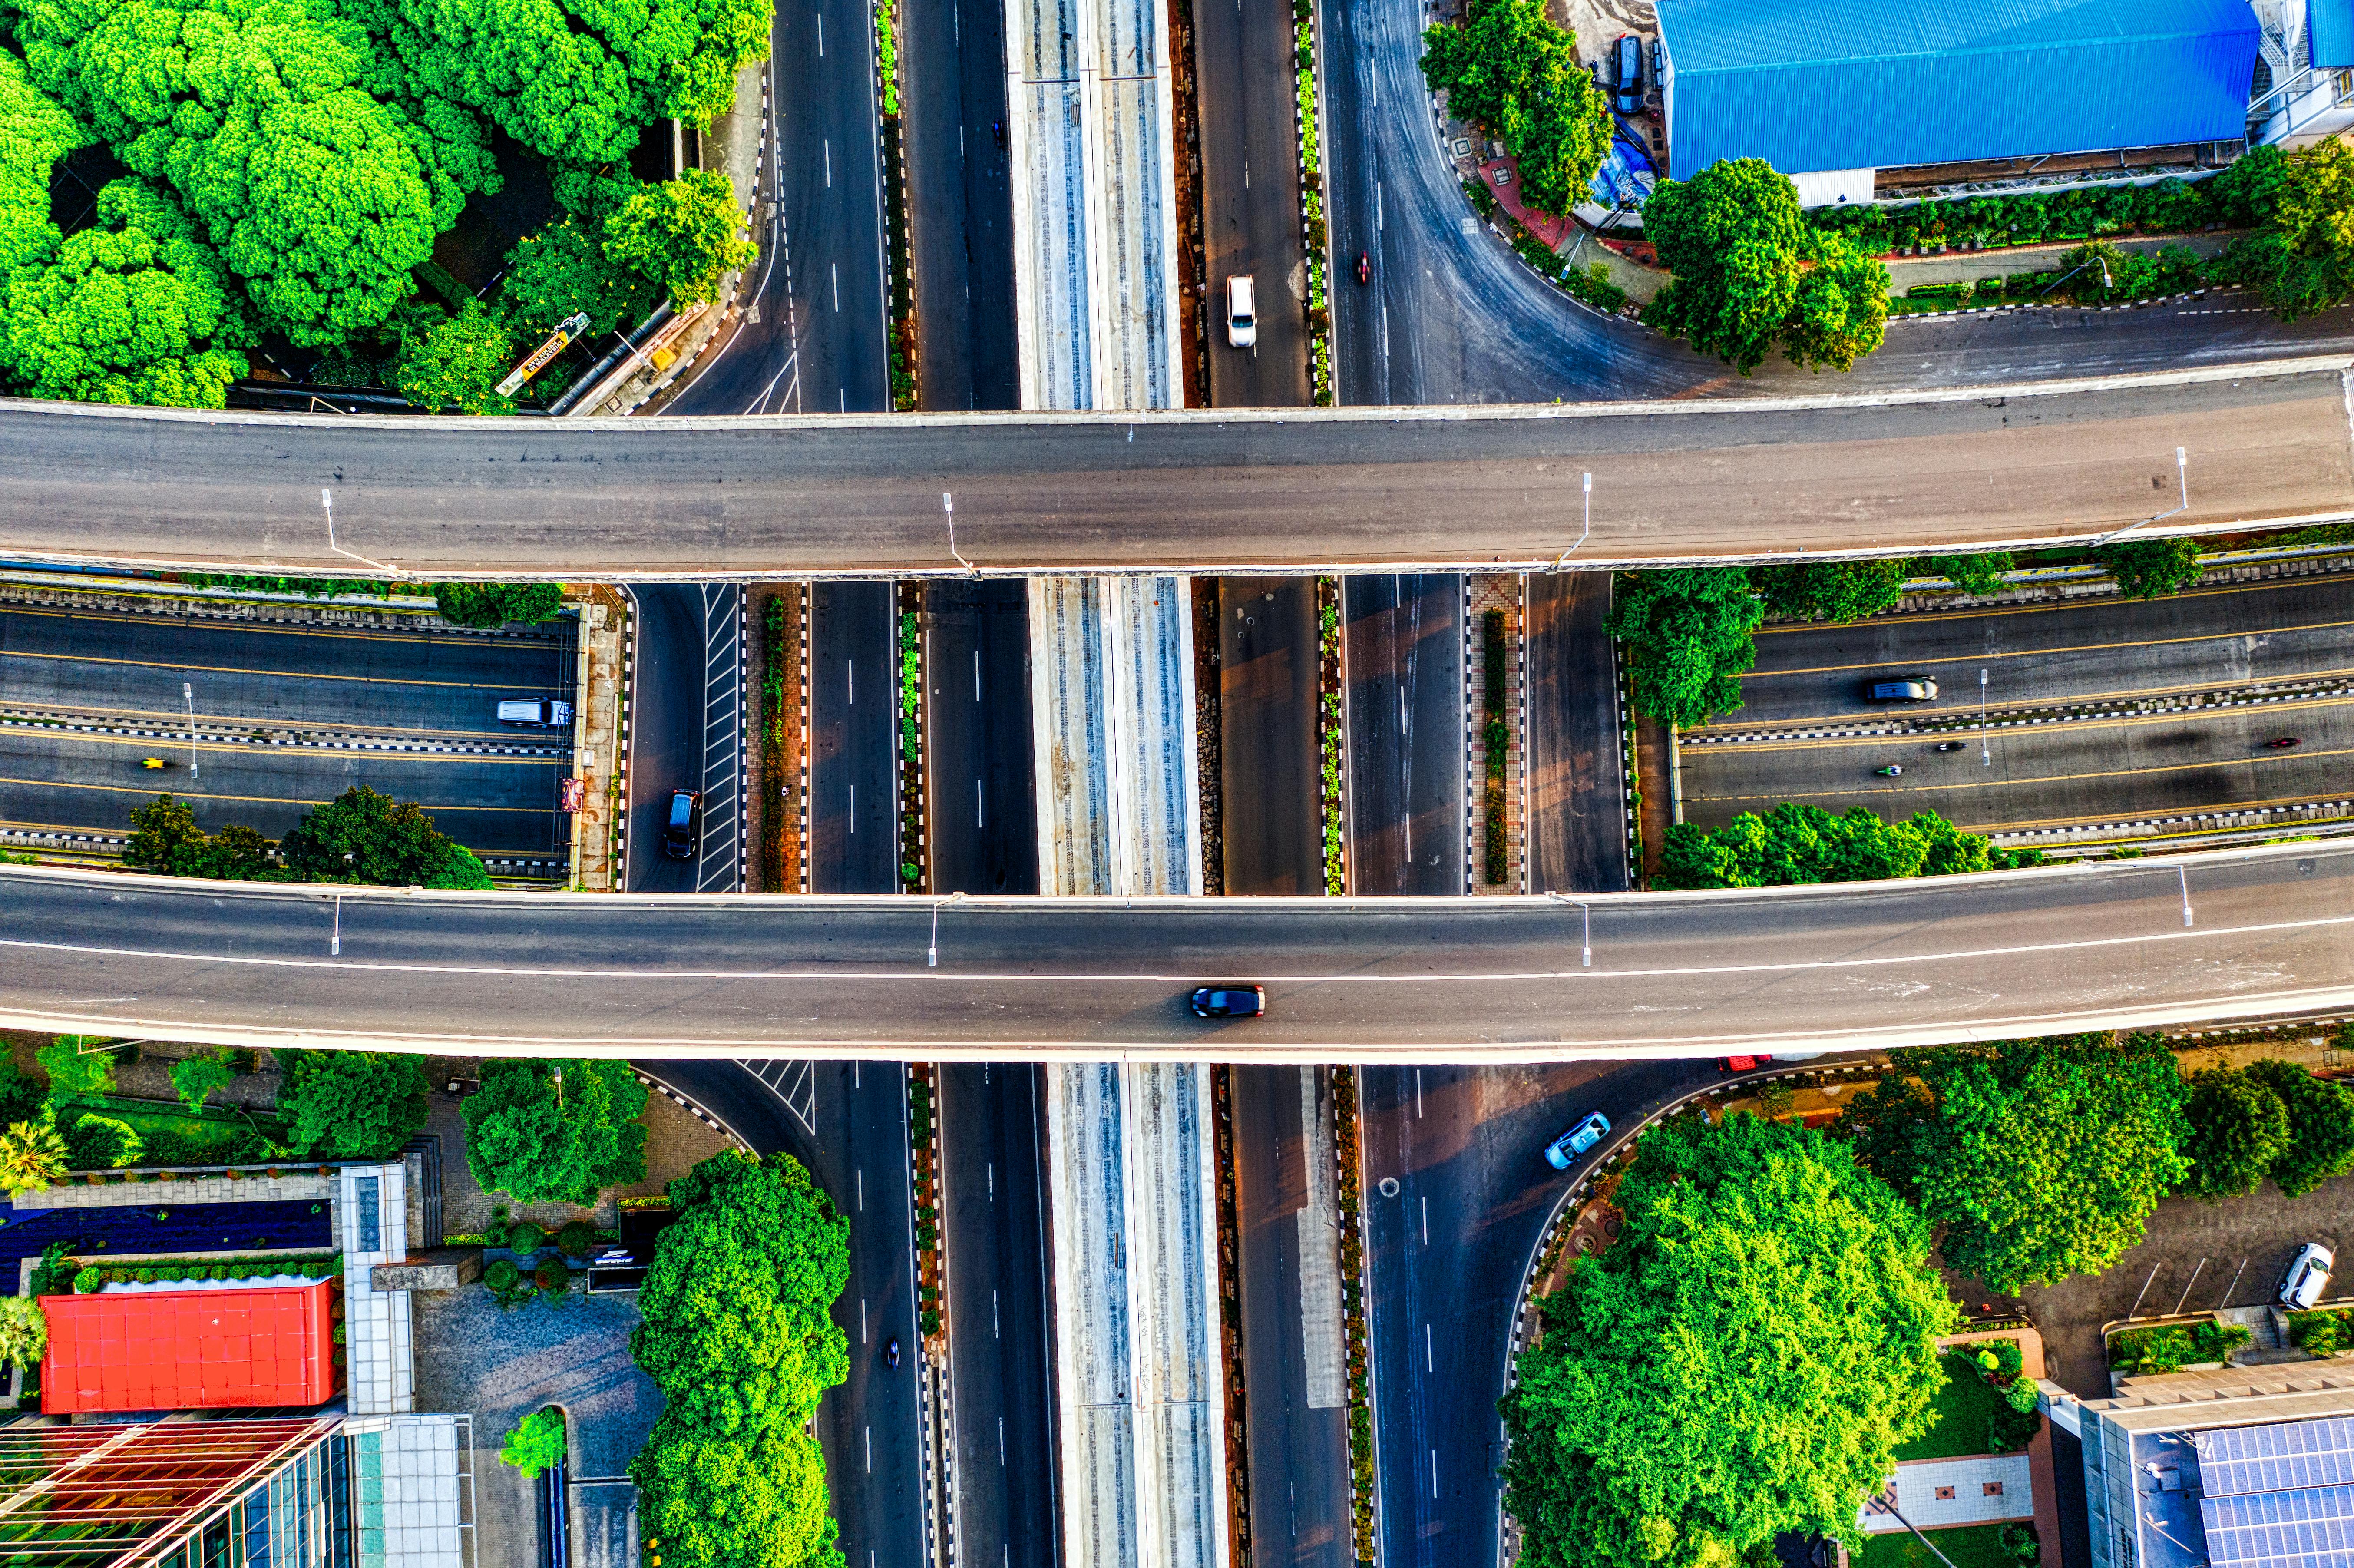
(1843, 92)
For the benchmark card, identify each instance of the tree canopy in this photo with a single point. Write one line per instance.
(1751, 274)
(1794, 844)
(32, 1154)
(680, 236)
(1833, 591)
(2151, 568)
(2237, 1128)
(2039, 1158)
(1510, 70)
(1743, 1361)
(1687, 631)
(548, 1130)
(497, 604)
(2300, 253)
(737, 1329)
(2320, 1127)
(536, 1442)
(351, 1104)
(362, 836)
(458, 362)
(165, 839)
(197, 1078)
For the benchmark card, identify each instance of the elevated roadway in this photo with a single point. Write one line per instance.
(1203, 490)
(1880, 965)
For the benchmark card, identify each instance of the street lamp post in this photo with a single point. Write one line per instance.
(2182, 475)
(1586, 942)
(1565, 554)
(188, 695)
(1985, 752)
(2184, 873)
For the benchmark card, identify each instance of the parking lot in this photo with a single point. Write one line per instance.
(2129, 717)
(259, 721)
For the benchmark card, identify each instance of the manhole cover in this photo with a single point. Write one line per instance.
(1389, 1187)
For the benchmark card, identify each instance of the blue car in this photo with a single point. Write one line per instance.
(1576, 1142)
(1630, 74)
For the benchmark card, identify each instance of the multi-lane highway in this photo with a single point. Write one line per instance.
(686, 732)
(983, 803)
(2136, 943)
(1403, 636)
(1269, 792)
(852, 697)
(1372, 488)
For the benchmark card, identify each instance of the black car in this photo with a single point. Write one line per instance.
(683, 829)
(1630, 74)
(1228, 1001)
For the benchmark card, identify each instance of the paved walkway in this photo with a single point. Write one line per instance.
(1985, 1489)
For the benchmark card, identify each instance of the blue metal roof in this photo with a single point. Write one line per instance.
(2329, 33)
(1821, 84)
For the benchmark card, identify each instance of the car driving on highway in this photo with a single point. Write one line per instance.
(683, 827)
(1228, 1001)
(1576, 1140)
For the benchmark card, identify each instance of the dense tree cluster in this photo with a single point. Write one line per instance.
(359, 836)
(351, 1104)
(1511, 71)
(1741, 1361)
(737, 1329)
(549, 1130)
(1751, 274)
(291, 163)
(1795, 844)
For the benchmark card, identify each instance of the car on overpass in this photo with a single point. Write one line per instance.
(1228, 1001)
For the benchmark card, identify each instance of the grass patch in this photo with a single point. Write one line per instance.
(1963, 1409)
(1969, 1545)
(173, 1138)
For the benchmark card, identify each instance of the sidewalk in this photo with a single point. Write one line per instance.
(1968, 266)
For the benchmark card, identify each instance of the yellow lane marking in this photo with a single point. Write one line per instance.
(272, 674)
(353, 634)
(151, 791)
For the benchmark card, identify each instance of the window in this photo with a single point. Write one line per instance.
(364, 1210)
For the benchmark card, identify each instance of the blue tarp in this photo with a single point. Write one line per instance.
(1829, 84)
(2329, 33)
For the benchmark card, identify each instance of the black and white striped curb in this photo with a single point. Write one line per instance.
(693, 1109)
(176, 601)
(2252, 817)
(1895, 316)
(1962, 728)
(261, 735)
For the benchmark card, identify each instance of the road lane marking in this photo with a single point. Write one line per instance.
(1860, 792)
(149, 788)
(178, 668)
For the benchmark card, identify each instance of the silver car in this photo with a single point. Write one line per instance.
(1576, 1140)
(2307, 1276)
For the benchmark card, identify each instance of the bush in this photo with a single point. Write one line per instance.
(552, 1277)
(2009, 1359)
(102, 1143)
(2021, 1544)
(576, 1238)
(2022, 1393)
(87, 1282)
(2151, 568)
(536, 1442)
(525, 1238)
(501, 1274)
(2320, 1333)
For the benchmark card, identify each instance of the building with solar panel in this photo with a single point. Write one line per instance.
(2234, 1468)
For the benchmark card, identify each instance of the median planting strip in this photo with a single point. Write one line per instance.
(1330, 681)
(906, 390)
(1311, 203)
(1362, 1478)
(915, 836)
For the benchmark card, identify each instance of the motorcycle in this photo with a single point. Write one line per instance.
(2285, 740)
(152, 763)
(1891, 771)
(1949, 746)
(1365, 268)
(891, 1353)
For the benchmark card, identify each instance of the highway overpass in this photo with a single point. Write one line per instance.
(1870, 964)
(1201, 490)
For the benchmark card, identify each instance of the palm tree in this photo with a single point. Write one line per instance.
(32, 1154)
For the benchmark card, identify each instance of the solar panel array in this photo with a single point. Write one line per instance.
(2279, 1497)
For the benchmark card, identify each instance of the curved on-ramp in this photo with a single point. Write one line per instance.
(1223, 491)
(2253, 933)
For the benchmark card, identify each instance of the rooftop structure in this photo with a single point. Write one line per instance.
(189, 1349)
(1812, 86)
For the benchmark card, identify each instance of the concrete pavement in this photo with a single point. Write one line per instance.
(1198, 489)
(1403, 637)
(853, 739)
(686, 732)
(1851, 966)
(1577, 797)
(1250, 198)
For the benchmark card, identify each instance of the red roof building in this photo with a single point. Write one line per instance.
(270, 1347)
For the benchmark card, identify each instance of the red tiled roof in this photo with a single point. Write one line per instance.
(189, 1349)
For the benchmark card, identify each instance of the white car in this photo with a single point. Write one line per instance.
(1576, 1142)
(2307, 1276)
(1242, 311)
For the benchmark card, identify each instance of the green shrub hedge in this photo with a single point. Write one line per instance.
(2031, 217)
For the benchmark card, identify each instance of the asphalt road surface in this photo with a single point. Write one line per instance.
(1445, 1249)
(1863, 965)
(852, 1137)
(853, 739)
(283, 718)
(952, 85)
(995, 1239)
(1402, 638)
(1453, 316)
(984, 808)
(686, 732)
(2100, 711)
(1250, 198)
(1268, 784)
(1299, 1452)
(1577, 790)
(820, 345)
(1197, 491)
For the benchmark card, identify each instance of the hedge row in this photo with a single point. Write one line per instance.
(2031, 217)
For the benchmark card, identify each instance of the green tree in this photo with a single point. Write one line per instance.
(562, 1131)
(2048, 1155)
(32, 1154)
(721, 1502)
(2151, 568)
(197, 1078)
(1687, 631)
(165, 839)
(74, 1070)
(497, 604)
(1832, 591)
(1743, 1361)
(351, 1104)
(362, 836)
(680, 236)
(137, 310)
(1977, 575)
(102, 1143)
(2300, 255)
(1750, 273)
(34, 131)
(561, 270)
(2238, 1128)
(2320, 1125)
(1795, 844)
(1508, 69)
(24, 1331)
(458, 362)
(536, 1442)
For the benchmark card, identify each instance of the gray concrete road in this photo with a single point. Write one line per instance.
(1197, 491)
(1403, 638)
(1576, 793)
(952, 81)
(1856, 966)
(1250, 198)
(686, 732)
(2101, 711)
(984, 816)
(283, 718)
(853, 739)
(820, 343)
(1268, 789)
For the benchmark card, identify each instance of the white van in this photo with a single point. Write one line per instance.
(540, 712)
(2307, 1277)
(1241, 312)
